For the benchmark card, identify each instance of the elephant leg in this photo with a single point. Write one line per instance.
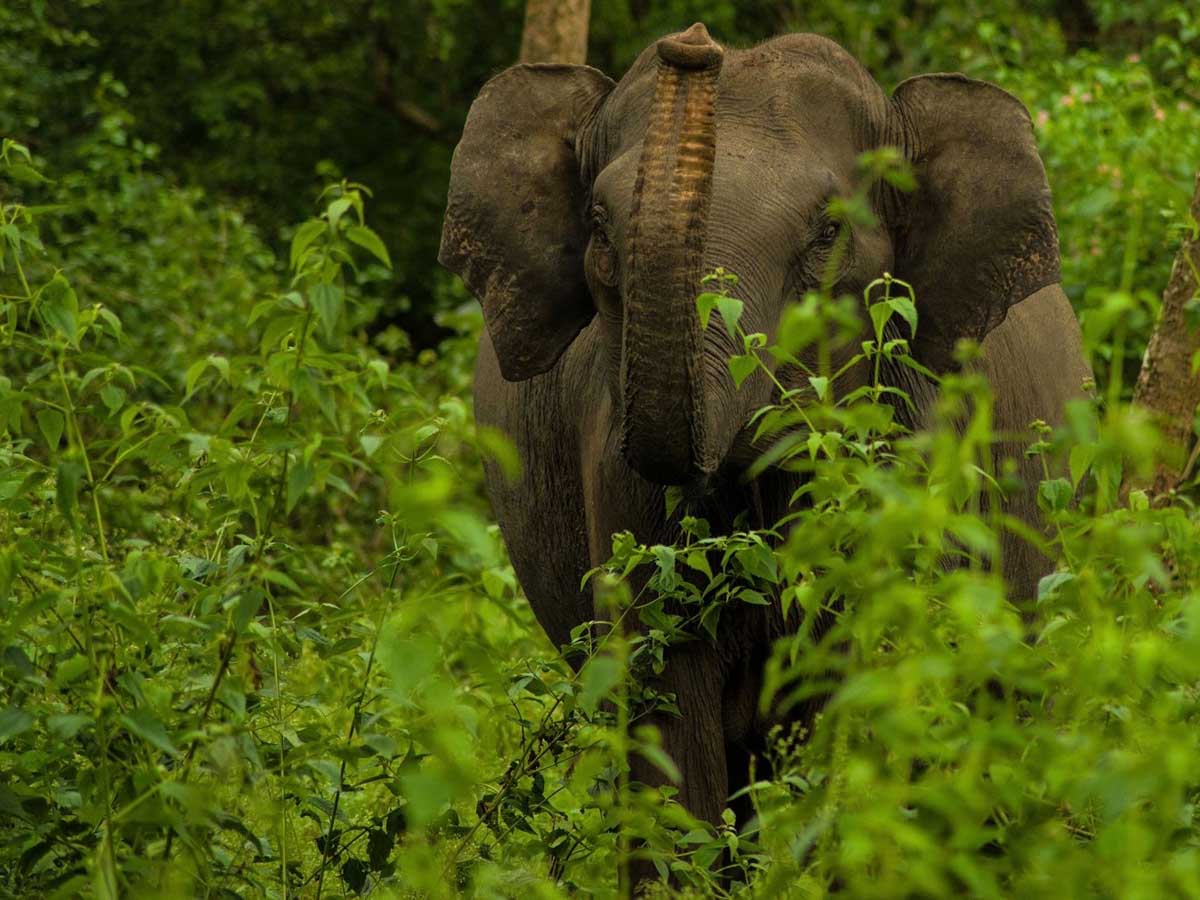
(694, 740)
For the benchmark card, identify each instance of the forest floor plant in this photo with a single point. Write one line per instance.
(258, 637)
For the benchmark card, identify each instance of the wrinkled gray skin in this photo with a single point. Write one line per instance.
(582, 214)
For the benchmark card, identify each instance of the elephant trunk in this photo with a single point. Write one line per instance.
(664, 417)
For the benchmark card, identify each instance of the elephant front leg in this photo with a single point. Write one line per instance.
(694, 740)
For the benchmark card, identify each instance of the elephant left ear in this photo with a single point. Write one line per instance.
(977, 236)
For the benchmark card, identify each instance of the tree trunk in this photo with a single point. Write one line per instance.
(556, 31)
(1168, 386)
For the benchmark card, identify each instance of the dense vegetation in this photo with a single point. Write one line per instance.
(258, 636)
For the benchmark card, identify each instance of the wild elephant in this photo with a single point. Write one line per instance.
(583, 213)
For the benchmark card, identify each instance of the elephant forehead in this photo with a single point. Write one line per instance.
(769, 190)
(792, 87)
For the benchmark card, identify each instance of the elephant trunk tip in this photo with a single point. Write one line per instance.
(691, 49)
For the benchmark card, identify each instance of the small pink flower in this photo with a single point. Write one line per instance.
(1159, 114)
(1067, 100)
(1085, 97)
(1042, 117)
(1183, 106)
(1133, 58)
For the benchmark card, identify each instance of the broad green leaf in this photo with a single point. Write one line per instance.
(337, 209)
(59, 306)
(705, 304)
(51, 422)
(247, 608)
(369, 241)
(1048, 585)
(598, 677)
(71, 669)
(1080, 461)
(113, 397)
(754, 598)
(70, 474)
(498, 582)
(1055, 495)
(14, 721)
(305, 235)
(300, 479)
(370, 443)
(907, 310)
(66, 725)
(742, 367)
(104, 871)
(326, 300)
(658, 757)
(143, 723)
(730, 309)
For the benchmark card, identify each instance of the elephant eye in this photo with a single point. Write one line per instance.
(828, 234)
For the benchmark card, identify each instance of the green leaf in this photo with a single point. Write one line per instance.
(698, 560)
(705, 304)
(820, 385)
(71, 669)
(143, 723)
(1055, 495)
(370, 443)
(326, 300)
(337, 209)
(14, 721)
(907, 310)
(754, 598)
(304, 236)
(60, 308)
(1080, 461)
(50, 424)
(369, 241)
(247, 607)
(599, 676)
(113, 397)
(741, 368)
(658, 757)
(384, 745)
(880, 313)
(66, 725)
(1048, 585)
(27, 174)
(104, 871)
(300, 479)
(666, 562)
(498, 582)
(66, 492)
(730, 309)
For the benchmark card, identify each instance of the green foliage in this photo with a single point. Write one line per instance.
(199, 562)
(259, 638)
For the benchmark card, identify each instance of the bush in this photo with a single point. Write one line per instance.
(259, 638)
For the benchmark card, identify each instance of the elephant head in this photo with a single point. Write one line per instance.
(574, 198)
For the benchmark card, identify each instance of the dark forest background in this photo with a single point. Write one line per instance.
(261, 103)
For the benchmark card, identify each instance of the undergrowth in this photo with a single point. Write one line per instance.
(259, 638)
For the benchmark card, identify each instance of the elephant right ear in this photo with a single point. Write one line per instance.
(515, 229)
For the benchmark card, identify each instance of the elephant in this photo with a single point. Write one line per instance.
(583, 214)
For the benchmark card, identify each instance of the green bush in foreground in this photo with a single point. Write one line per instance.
(258, 639)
